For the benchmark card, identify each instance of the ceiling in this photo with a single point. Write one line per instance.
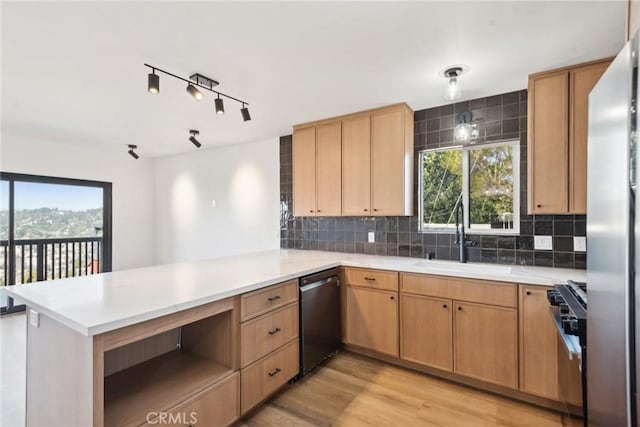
(72, 72)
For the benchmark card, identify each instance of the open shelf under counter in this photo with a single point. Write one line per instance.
(157, 385)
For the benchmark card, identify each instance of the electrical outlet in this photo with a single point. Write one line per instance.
(372, 237)
(580, 244)
(34, 318)
(543, 243)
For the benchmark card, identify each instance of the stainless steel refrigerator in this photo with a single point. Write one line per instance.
(613, 231)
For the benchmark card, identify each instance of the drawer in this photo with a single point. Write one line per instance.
(479, 291)
(264, 334)
(261, 301)
(267, 375)
(374, 279)
(217, 406)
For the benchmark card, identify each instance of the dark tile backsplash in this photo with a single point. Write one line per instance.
(498, 117)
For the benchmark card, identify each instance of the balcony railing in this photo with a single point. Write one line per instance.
(48, 259)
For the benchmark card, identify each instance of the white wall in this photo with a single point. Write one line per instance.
(133, 187)
(244, 181)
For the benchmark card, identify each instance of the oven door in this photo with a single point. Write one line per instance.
(571, 373)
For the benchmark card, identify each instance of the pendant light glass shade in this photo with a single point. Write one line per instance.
(153, 84)
(453, 91)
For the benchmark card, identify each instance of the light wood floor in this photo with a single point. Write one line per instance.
(353, 390)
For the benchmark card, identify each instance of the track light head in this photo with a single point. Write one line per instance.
(193, 91)
(153, 84)
(133, 153)
(219, 105)
(245, 113)
(193, 139)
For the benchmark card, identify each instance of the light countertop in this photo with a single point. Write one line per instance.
(100, 303)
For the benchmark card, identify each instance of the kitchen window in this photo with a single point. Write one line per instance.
(485, 177)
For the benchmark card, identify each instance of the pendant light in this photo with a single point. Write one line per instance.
(453, 90)
(153, 82)
(245, 113)
(193, 91)
(219, 105)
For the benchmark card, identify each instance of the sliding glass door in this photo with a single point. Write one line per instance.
(52, 228)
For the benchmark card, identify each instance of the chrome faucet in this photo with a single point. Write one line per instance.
(461, 238)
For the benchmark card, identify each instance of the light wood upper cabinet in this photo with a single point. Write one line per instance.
(304, 172)
(486, 343)
(356, 165)
(582, 80)
(317, 182)
(374, 166)
(548, 143)
(426, 331)
(538, 344)
(557, 138)
(328, 169)
(372, 320)
(391, 159)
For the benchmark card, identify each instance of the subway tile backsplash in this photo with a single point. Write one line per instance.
(498, 117)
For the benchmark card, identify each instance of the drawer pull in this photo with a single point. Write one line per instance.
(275, 297)
(372, 279)
(444, 305)
(274, 331)
(274, 372)
(459, 308)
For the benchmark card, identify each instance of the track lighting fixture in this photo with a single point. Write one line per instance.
(219, 105)
(133, 147)
(245, 113)
(193, 139)
(193, 91)
(194, 84)
(153, 83)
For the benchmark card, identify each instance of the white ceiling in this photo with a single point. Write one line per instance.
(73, 72)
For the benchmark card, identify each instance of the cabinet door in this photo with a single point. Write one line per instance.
(582, 80)
(304, 172)
(356, 165)
(372, 320)
(387, 162)
(329, 169)
(548, 143)
(485, 343)
(426, 331)
(538, 344)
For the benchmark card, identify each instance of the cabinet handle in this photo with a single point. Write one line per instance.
(375, 210)
(274, 372)
(273, 298)
(459, 308)
(528, 292)
(392, 297)
(274, 331)
(366, 210)
(310, 211)
(372, 279)
(318, 211)
(538, 206)
(444, 305)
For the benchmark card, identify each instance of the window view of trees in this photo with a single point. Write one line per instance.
(491, 184)
(491, 187)
(442, 187)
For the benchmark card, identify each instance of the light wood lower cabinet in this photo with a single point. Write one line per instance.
(426, 331)
(269, 374)
(217, 406)
(538, 344)
(372, 319)
(261, 336)
(486, 343)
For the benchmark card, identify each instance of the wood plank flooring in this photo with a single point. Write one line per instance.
(353, 390)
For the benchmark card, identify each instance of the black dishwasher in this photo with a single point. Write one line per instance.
(320, 324)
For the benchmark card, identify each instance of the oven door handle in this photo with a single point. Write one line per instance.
(571, 342)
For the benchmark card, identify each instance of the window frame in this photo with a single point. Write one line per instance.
(465, 151)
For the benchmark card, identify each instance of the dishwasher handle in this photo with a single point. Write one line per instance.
(328, 280)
